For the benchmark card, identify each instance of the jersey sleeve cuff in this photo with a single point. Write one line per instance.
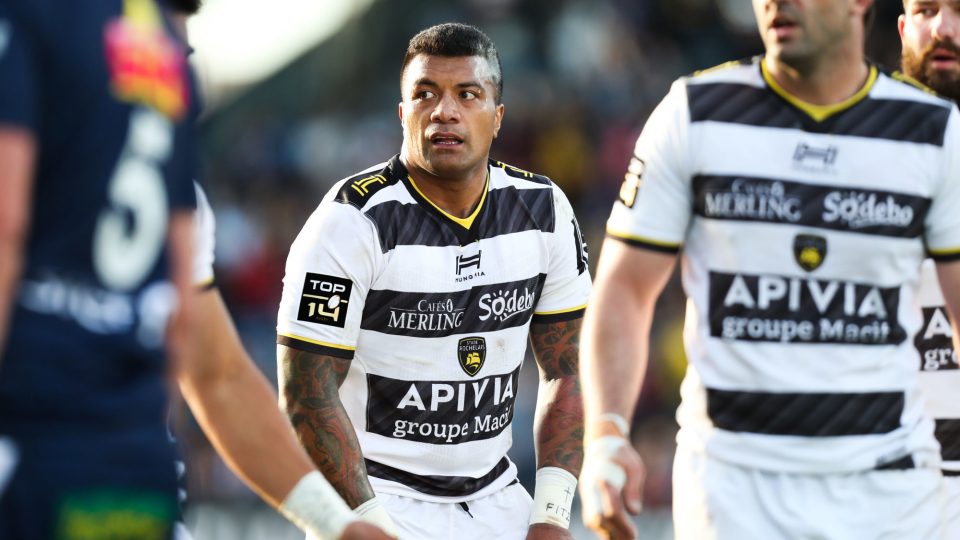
(645, 243)
(944, 255)
(562, 315)
(316, 347)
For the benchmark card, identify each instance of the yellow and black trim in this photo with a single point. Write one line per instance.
(560, 315)
(645, 243)
(944, 255)
(315, 347)
(466, 222)
(206, 285)
(820, 112)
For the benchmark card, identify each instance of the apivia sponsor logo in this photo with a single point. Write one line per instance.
(799, 310)
(441, 412)
(826, 207)
(934, 341)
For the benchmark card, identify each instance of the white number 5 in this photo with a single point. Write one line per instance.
(123, 254)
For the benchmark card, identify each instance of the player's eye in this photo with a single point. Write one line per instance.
(424, 94)
(927, 11)
(469, 95)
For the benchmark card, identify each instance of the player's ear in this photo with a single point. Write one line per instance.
(901, 22)
(400, 111)
(497, 120)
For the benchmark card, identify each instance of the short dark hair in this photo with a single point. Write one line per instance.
(455, 39)
(186, 7)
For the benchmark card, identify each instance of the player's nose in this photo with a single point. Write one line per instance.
(446, 110)
(946, 27)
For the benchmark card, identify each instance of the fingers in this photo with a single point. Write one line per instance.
(633, 486)
(614, 519)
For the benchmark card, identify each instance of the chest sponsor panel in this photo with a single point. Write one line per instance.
(788, 309)
(441, 412)
(864, 211)
(934, 341)
(483, 308)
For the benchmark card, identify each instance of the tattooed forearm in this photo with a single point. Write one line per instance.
(309, 394)
(558, 427)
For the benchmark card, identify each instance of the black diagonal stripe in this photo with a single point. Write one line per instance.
(896, 120)
(838, 208)
(508, 210)
(805, 414)
(441, 486)
(948, 433)
(484, 308)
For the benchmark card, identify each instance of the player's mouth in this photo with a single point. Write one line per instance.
(446, 139)
(944, 58)
(783, 26)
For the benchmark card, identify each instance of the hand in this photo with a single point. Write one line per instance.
(610, 485)
(361, 530)
(546, 531)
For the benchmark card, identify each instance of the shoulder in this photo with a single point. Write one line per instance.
(896, 85)
(360, 190)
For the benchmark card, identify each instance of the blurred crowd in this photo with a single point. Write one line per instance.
(580, 77)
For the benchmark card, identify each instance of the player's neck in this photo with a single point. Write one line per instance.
(458, 197)
(831, 80)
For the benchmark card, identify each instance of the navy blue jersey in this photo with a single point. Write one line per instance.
(104, 87)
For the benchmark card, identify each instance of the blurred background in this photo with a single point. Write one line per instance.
(302, 93)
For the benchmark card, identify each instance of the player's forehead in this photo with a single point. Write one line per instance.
(914, 4)
(452, 70)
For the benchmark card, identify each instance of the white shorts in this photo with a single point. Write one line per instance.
(504, 515)
(951, 515)
(715, 500)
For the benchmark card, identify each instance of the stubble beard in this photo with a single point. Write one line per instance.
(919, 66)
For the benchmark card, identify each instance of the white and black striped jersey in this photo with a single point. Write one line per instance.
(435, 313)
(939, 372)
(802, 230)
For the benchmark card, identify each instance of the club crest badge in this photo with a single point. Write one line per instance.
(809, 251)
(472, 351)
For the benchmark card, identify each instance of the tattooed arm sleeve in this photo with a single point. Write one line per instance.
(558, 424)
(309, 394)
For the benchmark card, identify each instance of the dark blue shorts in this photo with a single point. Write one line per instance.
(60, 491)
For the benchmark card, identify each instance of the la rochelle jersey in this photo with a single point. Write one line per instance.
(939, 372)
(105, 89)
(802, 230)
(435, 313)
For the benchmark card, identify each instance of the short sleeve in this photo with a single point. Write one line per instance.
(655, 205)
(19, 90)
(942, 233)
(567, 285)
(330, 268)
(204, 240)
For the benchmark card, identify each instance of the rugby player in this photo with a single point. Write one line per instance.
(408, 300)
(96, 180)
(805, 187)
(930, 36)
(234, 403)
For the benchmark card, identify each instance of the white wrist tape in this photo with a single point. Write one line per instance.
(553, 497)
(620, 422)
(314, 506)
(597, 469)
(374, 512)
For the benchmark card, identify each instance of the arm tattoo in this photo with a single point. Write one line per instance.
(309, 389)
(558, 429)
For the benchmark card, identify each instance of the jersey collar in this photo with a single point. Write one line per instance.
(819, 112)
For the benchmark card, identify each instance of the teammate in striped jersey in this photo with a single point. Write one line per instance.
(409, 298)
(930, 35)
(805, 188)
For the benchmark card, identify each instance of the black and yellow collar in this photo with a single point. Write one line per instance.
(819, 112)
